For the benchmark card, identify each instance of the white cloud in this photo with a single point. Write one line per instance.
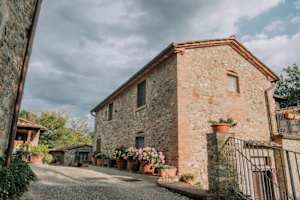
(297, 4)
(295, 20)
(277, 51)
(222, 19)
(275, 26)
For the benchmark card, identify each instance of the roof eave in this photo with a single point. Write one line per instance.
(134, 77)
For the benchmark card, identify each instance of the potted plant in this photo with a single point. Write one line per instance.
(131, 157)
(289, 115)
(222, 125)
(187, 178)
(119, 154)
(37, 153)
(297, 116)
(99, 159)
(167, 170)
(148, 158)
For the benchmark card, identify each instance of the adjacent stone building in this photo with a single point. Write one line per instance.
(75, 155)
(168, 103)
(17, 22)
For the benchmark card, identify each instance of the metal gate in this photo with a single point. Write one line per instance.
(260, 171)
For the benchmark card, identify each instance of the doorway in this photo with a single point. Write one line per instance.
(263, 185)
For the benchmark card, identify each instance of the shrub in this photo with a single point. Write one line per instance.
(187, 178)
(15, 180)
(229, 121)
(48, 158)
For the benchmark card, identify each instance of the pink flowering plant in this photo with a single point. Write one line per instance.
(132, 153)
(150, 155)
(120, 153)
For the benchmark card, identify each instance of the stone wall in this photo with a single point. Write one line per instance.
(203, 96)
(15, 22)
(70, 155)
(157, 121)
(182, 95)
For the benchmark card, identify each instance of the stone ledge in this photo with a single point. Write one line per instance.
(185, 189)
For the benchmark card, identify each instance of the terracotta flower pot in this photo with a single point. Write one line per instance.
(99, 162)
(121, 164)
(289, 116)
(170, 172)
(221, 128)
(36, 159)
(132, 165)
(148, 168)
(297, 117)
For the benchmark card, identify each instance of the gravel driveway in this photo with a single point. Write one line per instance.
(94, 183)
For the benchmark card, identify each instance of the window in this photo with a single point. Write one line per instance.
(98, 145)
(110, 111)
(141, 94)
(233, 83)
(139, 142)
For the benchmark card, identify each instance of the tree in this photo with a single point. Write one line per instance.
(29, 116)
(289, 85)
(62, 130)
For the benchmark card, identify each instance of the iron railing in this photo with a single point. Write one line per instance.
(287, 126)
(258, 171)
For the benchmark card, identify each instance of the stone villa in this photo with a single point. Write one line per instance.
(167, 104)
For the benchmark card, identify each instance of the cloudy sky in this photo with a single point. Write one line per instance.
(84, 49)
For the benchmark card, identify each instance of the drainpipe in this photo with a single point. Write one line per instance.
(25, 62)
(269, 113)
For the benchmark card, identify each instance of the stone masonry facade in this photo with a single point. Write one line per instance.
(15, 23)
(184, 92)
(156, 122)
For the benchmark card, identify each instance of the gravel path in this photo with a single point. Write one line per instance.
(94, 183)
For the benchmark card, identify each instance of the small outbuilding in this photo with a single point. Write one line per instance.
(75, 155)
(28, 132)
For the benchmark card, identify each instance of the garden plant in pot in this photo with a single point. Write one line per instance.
(119, 154)
(149, 158)
(36, 153)
(132, 161)
(222, 125)
(167, 170)
(99, 158)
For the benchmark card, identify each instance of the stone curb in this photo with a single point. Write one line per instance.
(184, 189)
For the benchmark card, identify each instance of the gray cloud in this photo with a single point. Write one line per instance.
(84, 49)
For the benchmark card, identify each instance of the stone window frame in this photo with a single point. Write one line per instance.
(231, 73)
(110, 111)
(139, 135)
(145, 94)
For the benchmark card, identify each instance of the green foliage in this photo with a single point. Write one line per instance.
(120, 152)
(62, 130)
(289, 86)
(47, 158)
(229, 121)
(28, 149)
(163, 166)
(100, 156)
(29, 116)
(188, 177)
(15, 180)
